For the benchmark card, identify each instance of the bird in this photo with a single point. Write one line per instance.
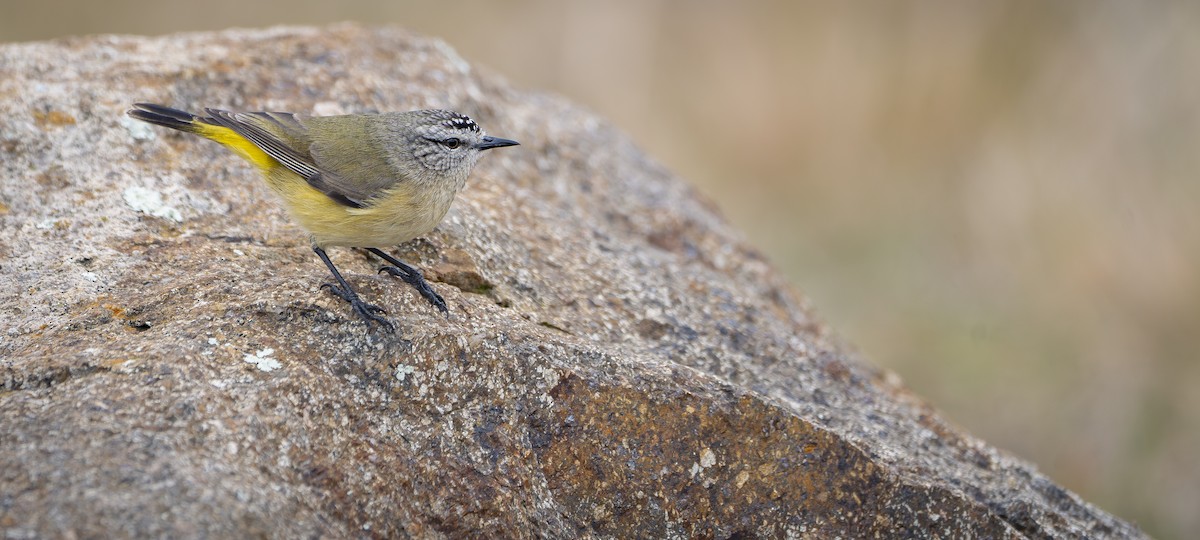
(367, 181)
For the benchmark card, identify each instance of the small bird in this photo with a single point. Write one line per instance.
(361, 180)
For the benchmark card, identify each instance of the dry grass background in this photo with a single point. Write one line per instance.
(999, 201)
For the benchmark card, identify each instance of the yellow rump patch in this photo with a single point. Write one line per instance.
(238, 144)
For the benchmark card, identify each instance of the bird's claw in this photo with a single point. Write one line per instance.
(418, 282)
(369, 312)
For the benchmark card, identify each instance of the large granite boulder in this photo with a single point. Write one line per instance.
(617, 361)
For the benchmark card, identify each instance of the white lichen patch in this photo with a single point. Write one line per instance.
(403, 371)
(137, 129)
(262, 360)
(150, 202)
(707, 458)
(328, 108)
(550, 375)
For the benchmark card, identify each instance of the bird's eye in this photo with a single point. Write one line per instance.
(452, 142)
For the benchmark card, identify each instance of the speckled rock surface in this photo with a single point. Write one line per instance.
(618, 363)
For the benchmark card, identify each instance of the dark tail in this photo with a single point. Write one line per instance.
(164, 116)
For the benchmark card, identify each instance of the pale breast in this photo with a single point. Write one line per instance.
(392, 219)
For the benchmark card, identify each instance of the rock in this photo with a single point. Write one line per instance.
(617, 361)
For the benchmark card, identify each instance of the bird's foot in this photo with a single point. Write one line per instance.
(369, 312)
(413, 277)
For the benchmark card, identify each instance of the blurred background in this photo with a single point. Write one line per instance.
(999, 201)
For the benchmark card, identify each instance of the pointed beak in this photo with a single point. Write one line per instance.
(495, 142)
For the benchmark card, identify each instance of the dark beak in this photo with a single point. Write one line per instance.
(496, 142)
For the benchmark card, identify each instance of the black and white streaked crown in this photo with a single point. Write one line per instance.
(458, 121)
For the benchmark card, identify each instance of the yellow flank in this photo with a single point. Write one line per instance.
(239, 144)
(393, 218)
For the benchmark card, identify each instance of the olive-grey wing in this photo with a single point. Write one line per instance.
(285, 138)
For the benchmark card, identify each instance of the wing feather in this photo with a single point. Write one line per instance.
(285, 138)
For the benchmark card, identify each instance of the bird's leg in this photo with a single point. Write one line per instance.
(411, 276)
(342, 290)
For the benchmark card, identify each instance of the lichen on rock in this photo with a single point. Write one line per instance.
(618, 362)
